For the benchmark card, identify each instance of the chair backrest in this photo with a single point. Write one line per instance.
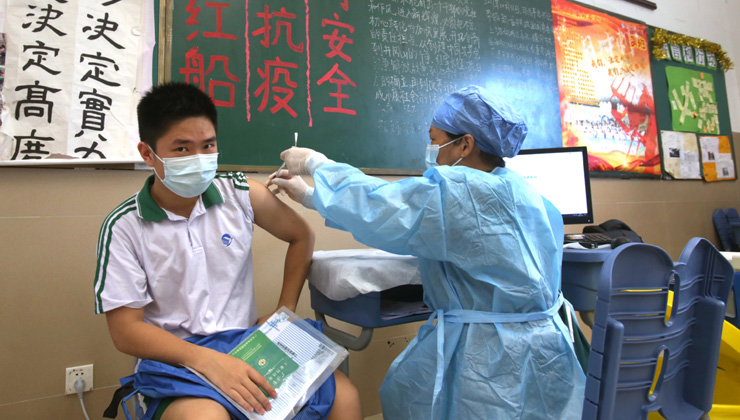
(644, 357)
(734, 220)
(733, 317)
(724, 230)
(732, 215)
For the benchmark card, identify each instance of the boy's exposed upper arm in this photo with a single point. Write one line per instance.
(119, 317)
(275, 216)
(120, 320)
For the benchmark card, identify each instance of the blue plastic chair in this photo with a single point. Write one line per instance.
(734, 220)
(735, 299)
(725, 229)
(639, 362)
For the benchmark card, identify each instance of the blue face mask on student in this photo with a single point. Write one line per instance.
(433, 152)
(189, 176)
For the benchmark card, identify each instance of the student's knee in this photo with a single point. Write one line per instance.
(346, 401)
(195, 409)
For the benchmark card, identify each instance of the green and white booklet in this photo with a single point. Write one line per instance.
(293, 356)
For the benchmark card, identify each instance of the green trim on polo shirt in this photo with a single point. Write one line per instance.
(103, 254)
(150, 211)
(212, 196)
(237, 178)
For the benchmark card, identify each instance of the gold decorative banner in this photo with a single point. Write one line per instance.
(661, 38)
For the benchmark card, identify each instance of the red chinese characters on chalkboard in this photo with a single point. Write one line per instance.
(277, 57)
(336, 76)
(277, 86)
(275, 71)
(220, 78)
(285, 22)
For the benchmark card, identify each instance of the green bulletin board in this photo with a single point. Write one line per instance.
(663, 107)
(359, 81)
(693, 104)
(674, 72)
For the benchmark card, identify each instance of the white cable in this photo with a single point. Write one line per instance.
(570, 325)
(80, 388)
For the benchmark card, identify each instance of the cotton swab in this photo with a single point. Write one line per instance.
(295, 144)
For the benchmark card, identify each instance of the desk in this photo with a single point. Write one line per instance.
(365, 311)
(580, 283)
(581, 271)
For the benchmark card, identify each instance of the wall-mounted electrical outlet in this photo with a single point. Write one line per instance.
(78, 372)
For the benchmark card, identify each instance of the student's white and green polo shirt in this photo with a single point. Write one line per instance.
(192, 275)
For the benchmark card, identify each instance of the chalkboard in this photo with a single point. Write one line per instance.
(360, 80)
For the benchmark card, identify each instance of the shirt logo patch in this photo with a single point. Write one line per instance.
(226, 239)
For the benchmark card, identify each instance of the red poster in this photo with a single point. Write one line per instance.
(606, 93)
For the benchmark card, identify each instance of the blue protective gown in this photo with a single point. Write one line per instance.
(490, 251)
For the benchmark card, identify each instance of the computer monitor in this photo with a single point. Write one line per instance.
(560, 175)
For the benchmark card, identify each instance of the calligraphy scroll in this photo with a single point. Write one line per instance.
(73, 68)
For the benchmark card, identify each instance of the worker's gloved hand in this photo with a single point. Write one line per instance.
(294, 186)
(302, 161)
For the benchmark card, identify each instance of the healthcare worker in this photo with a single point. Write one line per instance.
(489, 249)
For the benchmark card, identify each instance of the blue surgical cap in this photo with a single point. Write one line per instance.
(496, 127)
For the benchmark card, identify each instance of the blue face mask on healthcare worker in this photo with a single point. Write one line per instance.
(189, 176)
(433, 152)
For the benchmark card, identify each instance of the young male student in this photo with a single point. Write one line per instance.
(175, 262)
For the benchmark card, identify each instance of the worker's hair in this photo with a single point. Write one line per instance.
(489, 159)
(169, 103)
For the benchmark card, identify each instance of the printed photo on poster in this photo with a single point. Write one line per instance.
(606, 94)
